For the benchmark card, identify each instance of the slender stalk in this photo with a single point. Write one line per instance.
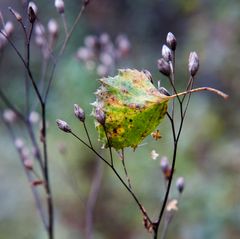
(92, 198)
(68, 36)
(125, 169)
(118, 176)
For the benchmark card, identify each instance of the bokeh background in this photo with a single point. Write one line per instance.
(209, 150)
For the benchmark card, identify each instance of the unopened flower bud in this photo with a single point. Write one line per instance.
(164, 163)
(171, 41)
(53, 27)
(180, 184)
(59, 4)
(104, 39)
(102, 70)
(8, 28)
(32, 12)
(28, 163)
(166, 53)
(16, 14)
(164, 91)
(123, 45)
(19, 143)
(148, 75)
(100, 116)
(164, 67)
(62, 125)
(193, 63)
(90, 41)
(33, 117)
(9, 116)
(79, 112)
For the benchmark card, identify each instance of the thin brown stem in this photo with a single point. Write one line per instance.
(68, 36)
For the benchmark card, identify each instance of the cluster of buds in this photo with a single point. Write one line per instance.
(25, 153)
(46, 39)
(101, 52)
(164, 63)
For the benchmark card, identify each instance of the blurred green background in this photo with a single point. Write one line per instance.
(209, 149)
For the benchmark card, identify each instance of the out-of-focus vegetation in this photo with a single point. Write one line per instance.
(209, 152)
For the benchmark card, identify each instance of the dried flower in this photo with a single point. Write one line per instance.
(62, 125)
(180, 184)
(37, 182)
(59, 4)
(164, 67)
(154, 155)
(171, 41)
(166, 53)
(193, 63)
(156, 135)
(79, 112)
(172, 205)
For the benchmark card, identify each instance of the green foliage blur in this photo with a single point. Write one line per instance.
(209, 149)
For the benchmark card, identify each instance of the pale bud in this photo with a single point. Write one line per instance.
(53, 27)
(8, 28)
(106, 59)
(90, 41)
(16, 14)
(104, 38)
(79, 112)
(166, 53)
(164, 163)
(171, 41)
(123, 45)
(33, 117)
(84, 54)
(193, 63)
(32, 12)
(19, 144)
(62, 125)
(59, 4)
(9, 116)
(39, 29)
(180, 184)
(102, 70)
(164, 67)
(28, 163)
